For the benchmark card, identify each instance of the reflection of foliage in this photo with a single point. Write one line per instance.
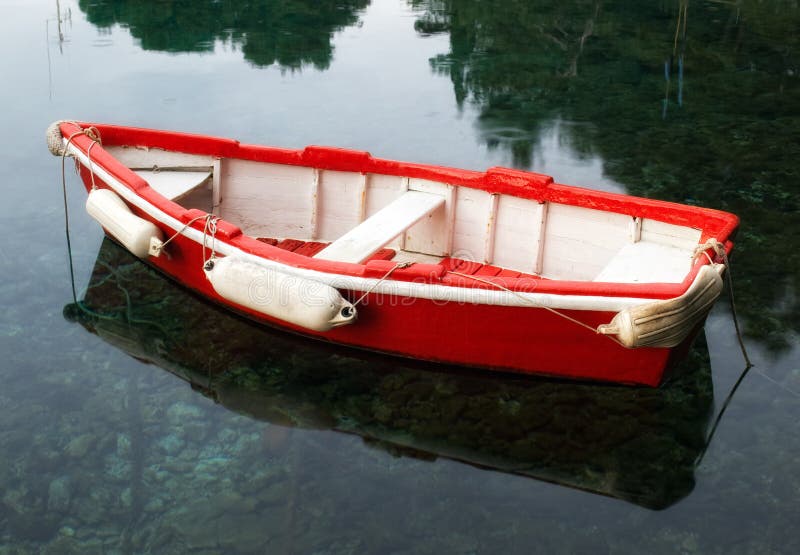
(289, 33)
(693, 103)
(635, 443)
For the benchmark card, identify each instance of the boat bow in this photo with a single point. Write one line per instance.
(667, 323)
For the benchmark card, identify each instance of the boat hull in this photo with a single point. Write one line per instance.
(491, 327)
(502, 338)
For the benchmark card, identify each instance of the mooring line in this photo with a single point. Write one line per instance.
(535, 305)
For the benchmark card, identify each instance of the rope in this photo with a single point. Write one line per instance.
(161, 247)
(533, 304)
(728, 400)
(784, 387)
(91, 164)
(211, 226)
(718, 419)
(94, 135)
(66, 223)
(397, 266)
(719, 250)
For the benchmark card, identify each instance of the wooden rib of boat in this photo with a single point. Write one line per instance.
(503, 270)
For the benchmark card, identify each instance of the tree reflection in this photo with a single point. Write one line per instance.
(289, 33)
(633, 443)
(695, 103)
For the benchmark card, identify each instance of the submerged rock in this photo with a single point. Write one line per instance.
(78, 447)
(59, 495)
(64, 545)
(172, 445)
(182, 413)
(123, 445)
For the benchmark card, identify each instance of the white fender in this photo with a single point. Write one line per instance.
(300, 301)
(667, 323)
(111, 212)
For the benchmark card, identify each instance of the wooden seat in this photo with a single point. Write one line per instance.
(646, 262)
(362, 241)
(174, 184)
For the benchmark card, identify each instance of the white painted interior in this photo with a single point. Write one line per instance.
(518, 234)
(267, 200)
(473, 210)
(174, 185)
(146, 158)
(432, 291)
(433, 234)
(579, 242)
(423, 220)
(383, 189)
(669, 234)
(646, 262)
(190, 179)
(340, 203)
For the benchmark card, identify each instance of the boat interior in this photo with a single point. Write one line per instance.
(356, 217)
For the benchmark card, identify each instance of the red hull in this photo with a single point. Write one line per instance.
(507, 338)
(512, 339)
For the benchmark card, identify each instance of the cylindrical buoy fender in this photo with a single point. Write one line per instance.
(666, 323)
(113, 214)
(300, 301)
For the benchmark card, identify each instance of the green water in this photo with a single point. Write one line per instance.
(154, 423)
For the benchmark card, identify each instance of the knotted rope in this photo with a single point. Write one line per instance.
(209, 228)
(722, 253)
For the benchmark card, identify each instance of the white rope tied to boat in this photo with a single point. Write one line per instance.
(711, 244)
(210, 228)
(56, 144)
(536, 305)
(160, 248)
(55, 140)
(386, 276)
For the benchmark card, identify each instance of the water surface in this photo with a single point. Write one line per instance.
(154, 423)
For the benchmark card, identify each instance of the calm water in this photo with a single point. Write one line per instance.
(157, 424)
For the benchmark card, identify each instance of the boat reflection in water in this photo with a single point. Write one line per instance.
(636, 444)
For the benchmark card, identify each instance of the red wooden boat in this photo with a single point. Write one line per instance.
(504, 270)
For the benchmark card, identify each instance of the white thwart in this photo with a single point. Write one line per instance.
(646, 262)
(362, 241)
(173, 184)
